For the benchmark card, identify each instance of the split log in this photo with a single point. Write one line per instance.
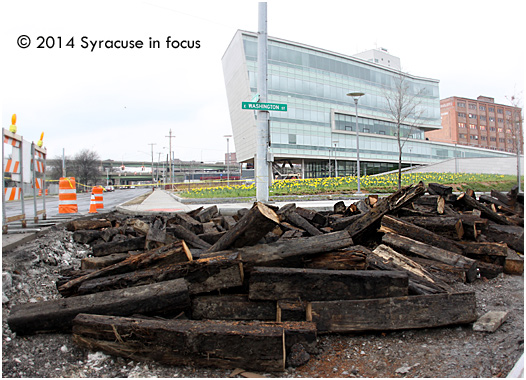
(188, 236)
(86, 236)
(443, 272)
(57, 315)
(157, 231)
(339, 207)
(391, 203)
(420, 280)
(342, 223)
(169, 254)
(438, 189)
(513, 236)
(248, 230)
(403, 227)
(351, 258)
(228, 222)
(127, 245)
(141, 227)
(103, 261)
(491, 200)
(312, 216)
(514, 263)
(448, 226)
(399, 313)
(232, 307)
(259, 346)
(318, 284)
(207, 214)
(504, 199)
(95, 224)
(290, 251)
(362, 207)
(486, 211)
(202, 276)
(211, 238)
(109, 233)
(407, 245)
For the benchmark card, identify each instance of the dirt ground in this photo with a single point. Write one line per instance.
(29, 273)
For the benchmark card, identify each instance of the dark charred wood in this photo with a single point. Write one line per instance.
(86, 236)
(93, 224)
(103, 261)
(207, 214)
(439, 189)
(127, 245)
(351, 258)
(513, 236)
(232, 307)
(188, 236)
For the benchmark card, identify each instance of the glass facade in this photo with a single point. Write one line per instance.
(320, 120)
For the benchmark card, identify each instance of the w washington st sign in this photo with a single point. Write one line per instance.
(263, 106)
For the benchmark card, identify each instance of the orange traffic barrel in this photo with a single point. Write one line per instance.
(92, 204)
(67, 196)
(99, 199)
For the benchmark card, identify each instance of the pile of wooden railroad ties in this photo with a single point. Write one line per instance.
(249, 290)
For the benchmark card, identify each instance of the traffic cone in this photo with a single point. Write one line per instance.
(93, 204)
(40, 192)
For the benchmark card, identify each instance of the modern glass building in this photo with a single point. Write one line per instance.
(318, 128)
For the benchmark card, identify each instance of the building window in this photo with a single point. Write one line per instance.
(492, 139)
(461, 104)
(482, 108)
(500, 111)
(500, 130)
(482, 127)
(461, 114)
(472, 116)
(381, 132)
(483, 138)
(292, 139)
(482, 118)
(510, 141)
(491, 119)
(472, 126)
(500, 120)
(462, 125)
(491, 109)
(492, 129)
(472, 106)
(508, 112)
(366, 130)
(473, 137)
(501, 139)
(461, 136)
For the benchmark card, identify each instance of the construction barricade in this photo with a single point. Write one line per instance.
(97, 199)
(38, 168)
(67, 196)
(12, 187)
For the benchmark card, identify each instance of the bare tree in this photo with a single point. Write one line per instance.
(404, 104)
(516, 121)
(86, 167)
(54, 166)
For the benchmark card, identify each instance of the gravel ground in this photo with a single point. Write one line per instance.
(29, 273)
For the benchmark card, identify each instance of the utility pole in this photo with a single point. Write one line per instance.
(262, 130)
(170, 150)
(153, 180)
(63, 163)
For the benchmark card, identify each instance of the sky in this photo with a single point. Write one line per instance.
(122, 103)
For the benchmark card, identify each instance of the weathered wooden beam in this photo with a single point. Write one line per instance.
(413, 231)
(351, 258)
(232, 307)
(248, 230)
(420, 280)
(93, 224)
(169, 254)
(57, 315)
(397, 313)
(127, 245)
(317, 284)
(188, 236)
(439, 189)
(86, 236)
(406, 245)
(207, 214)
(391, 203)
(448, 226)
(187, 222)
(103, 261)
(513, 236)
(486, 211)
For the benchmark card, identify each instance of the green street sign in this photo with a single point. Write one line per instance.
(263, 106)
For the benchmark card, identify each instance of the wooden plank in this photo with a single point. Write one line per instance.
(397, 313)
(317, 284)
(407, 245)
(57, 315)
(225, 344)
(93, 224)
(248, 230)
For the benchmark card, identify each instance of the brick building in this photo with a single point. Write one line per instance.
(481, 123)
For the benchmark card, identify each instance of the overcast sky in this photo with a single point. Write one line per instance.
(118, 101)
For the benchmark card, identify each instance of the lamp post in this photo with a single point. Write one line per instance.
(335, 142)
(227, 159)
(356, 96)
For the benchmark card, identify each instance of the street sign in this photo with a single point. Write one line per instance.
(264, 106)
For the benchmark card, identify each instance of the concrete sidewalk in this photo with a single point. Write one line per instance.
(162, 201)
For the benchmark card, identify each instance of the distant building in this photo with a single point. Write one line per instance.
(230, 158)
(318, 130)
(480, 123)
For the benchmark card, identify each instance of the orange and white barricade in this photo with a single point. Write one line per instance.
(99, 198)
(67, 196)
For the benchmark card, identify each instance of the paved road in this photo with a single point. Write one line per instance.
(111, 200)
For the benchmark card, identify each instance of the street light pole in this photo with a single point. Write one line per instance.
(335, 162)
(356, 96)
(153, 180)
(227, 159)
